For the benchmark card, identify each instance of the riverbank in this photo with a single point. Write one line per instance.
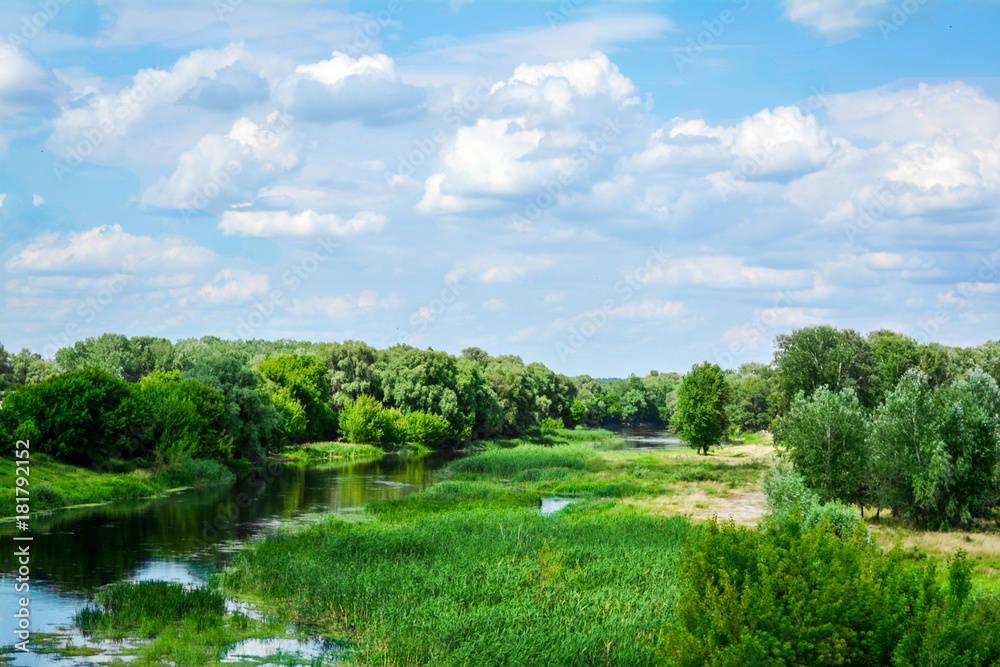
(60, 485)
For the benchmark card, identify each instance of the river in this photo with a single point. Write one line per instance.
(188, 535)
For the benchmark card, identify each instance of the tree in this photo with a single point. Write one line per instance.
(700, 419)
(186, 417)
(819, 356)
(893, 355)
(826, 436)
(251, 422)
(306, 378)
(750, 390)
(84, 416)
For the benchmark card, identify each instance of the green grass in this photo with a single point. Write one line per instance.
(185, 626)
(509, 462)
(144, 609)
(484, 586)
(549, 437)
(324, 451)
(54, 485)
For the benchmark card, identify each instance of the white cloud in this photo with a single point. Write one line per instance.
(3, 197)
(724, 272)
(37, 200)
(508, 268)
(93, 125)
(649, 309)
(836, 19)
(234, 286)
(107, 247)
(271, 224)
(22, 84)
(367, 88)
(546, 125)
(224, 170)
(345, 305)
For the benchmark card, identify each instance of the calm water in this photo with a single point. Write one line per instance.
(184, 536)
(187, 536)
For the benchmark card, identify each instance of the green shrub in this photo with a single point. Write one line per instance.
(794, 506)
(426, 428)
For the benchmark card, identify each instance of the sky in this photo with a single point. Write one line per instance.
(604, 187)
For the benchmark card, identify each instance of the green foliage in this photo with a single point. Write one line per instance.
(749, 394)
(146, 607)
(826, 436)
(83, 416)
(305, 377)
(910, 460)
(821, 356)
(793, 506)
(367, 422)
(426, 428)
(251, 423)
(508, 462)
(700, 419)
(128, 359)
(186, 418)
(755, 597)
(294, 420)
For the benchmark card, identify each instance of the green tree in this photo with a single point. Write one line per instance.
(700, 419)
(822, 356)
(826, 435)
(84, 416)
(750, 391)
(893, 355)
(251, 421)
(307, 379)
(186, 417)
(367, 422)
(909, 461)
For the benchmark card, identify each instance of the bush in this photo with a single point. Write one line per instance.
(795, 507)
(85, 416)
(760, 597)
(426, 428)
(367, 422)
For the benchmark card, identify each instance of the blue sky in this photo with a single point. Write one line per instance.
(604, 187)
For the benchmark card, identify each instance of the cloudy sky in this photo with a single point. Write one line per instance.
(603, 187)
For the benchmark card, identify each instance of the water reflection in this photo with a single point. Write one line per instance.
(645, 437)
(82, 549)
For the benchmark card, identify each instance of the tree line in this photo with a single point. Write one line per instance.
(118, 397)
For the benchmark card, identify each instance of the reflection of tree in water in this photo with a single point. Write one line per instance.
(82, 549)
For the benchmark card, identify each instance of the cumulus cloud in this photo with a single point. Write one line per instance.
(367, 89)
(22, 84)
(228, 89)
(223, 170)
(107, 247)
(270, 224)
(546, 125)
(94, 122)
(725, 272)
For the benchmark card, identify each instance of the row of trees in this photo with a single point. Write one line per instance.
(210, 397)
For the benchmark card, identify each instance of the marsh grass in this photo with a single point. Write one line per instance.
(324, 451)
(55, 485)
(506, 463)
(486, 586)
